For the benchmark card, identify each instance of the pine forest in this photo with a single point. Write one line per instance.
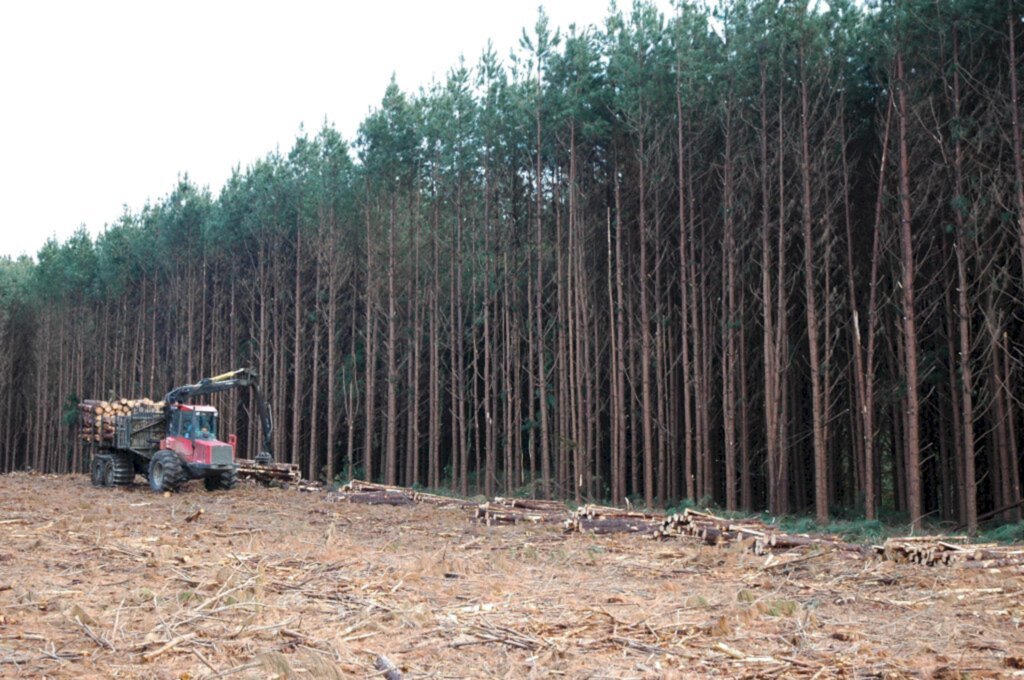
(767, 256)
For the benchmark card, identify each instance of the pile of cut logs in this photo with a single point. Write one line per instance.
(369, 493)
(516, 510)
(97, 416)
(600, 519)
(762, 537)
(274, 472)
(950, 550)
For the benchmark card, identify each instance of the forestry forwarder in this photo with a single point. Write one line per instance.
(179, 442)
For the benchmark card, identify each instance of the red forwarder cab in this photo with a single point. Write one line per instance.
(192, 434)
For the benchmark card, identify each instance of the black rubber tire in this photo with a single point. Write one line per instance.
(166, 472)
(96, 470)
(122, 471)
(223, 481)
(108, 473)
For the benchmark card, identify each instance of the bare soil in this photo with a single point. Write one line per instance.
(124, 583)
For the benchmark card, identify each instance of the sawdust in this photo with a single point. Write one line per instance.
(267, 583)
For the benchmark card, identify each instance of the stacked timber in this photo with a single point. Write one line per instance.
(285, 473)
(517, 510)
(928, 550)
(98, 417)
(599, 519)
(950, 550)
(358, 491)
(761, 537)
(373, 497)
(711, 529)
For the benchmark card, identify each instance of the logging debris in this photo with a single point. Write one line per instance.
(599, 519)
(370, 493)
(760, 536)
(515, 510)
(952, 550)
(751, 533)
(271, 582)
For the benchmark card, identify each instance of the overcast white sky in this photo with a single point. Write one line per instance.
(103, 104)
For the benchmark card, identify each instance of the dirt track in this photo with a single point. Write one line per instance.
(274, 583)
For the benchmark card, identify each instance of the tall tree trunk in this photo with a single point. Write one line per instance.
(614, 404)
(771, 359)
(810, 289)
(966, 396)
(370, 354)
(538, 291)
(412, 477)
(1012, 21)
(620, 370)
(729, 314)
(646, 415)
(913, 462)
(684, 298)
(1012, 466)
(332, 334)
(434, 426)
(314, 406)
(391, 451)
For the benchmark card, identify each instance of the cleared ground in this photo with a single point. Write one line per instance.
(278, 583)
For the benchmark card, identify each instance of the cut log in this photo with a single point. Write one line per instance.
(412, 494)
(501, 512)
(373, 498)
(612, 525)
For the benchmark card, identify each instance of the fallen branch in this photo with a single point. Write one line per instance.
(98, 639)
(149, 656)
(993, 513)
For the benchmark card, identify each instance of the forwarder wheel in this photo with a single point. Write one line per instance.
(96, 469)
(109, 474)
(166, 472)
(122, 472)
(224, 480)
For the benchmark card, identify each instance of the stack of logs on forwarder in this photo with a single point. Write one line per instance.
(98, 416)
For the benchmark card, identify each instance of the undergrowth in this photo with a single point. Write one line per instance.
(1007, 533)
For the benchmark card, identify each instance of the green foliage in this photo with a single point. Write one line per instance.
(389, 141)
(15, 276)
(854, 530)
(70, 410)
(1007, 533)
(688, 503)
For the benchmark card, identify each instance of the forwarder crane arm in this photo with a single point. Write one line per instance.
(242, 377)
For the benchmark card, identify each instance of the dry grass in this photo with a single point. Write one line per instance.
(274, 583)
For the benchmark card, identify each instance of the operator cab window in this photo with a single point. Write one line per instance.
(188, 425)
(207, 426)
